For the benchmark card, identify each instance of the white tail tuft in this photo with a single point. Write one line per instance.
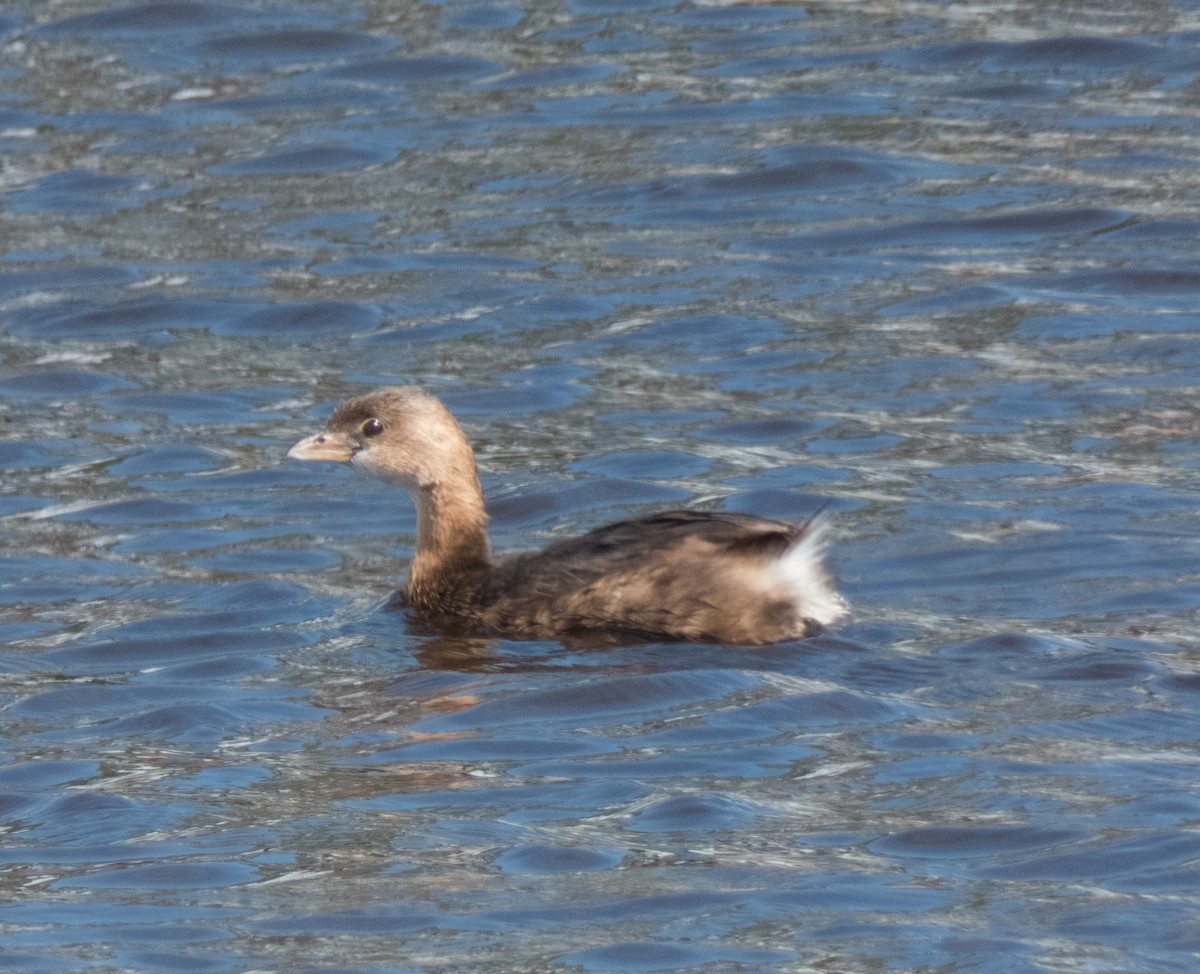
(801, 570)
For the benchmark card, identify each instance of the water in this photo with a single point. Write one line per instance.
(929, 264)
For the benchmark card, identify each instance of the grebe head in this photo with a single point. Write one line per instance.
(399, 434)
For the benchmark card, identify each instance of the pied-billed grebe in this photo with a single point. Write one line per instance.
(684, 575)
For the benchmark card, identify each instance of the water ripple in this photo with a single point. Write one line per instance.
(924, 270)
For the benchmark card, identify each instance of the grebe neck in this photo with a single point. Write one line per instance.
(452, 542)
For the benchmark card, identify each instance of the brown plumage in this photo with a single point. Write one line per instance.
(688, 575)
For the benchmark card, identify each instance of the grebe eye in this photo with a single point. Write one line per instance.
(371, 427)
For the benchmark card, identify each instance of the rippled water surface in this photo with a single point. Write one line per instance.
(932, 265)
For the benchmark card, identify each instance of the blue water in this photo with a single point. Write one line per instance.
(932, 266)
